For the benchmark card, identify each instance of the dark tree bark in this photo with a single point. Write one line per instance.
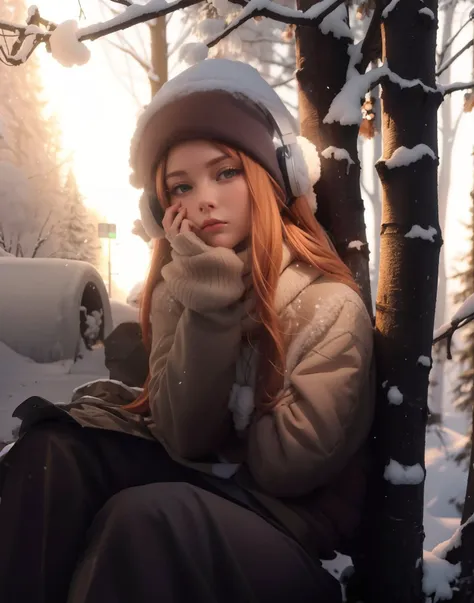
(340, 206)
(392, 567)
(465, 594)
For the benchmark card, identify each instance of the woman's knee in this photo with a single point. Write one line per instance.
(145, 501)
(40, 438)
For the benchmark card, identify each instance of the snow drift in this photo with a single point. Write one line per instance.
(45, 305)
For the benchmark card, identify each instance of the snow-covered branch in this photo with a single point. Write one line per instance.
(128, 50)
(462, 317)
(346, 106)
(456, 87)
(40, 31)
(266, 8)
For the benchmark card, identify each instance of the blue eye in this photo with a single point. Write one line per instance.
(179, 189)
(228, 173)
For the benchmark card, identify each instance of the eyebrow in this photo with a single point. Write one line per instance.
(208, 164)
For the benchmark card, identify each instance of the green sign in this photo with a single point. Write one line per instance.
(107, 231)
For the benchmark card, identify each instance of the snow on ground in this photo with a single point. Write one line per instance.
(123, 313)
(21, 377)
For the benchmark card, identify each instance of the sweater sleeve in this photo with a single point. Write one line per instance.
(321, 420)
(196, 332)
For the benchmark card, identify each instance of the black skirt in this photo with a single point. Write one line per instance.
(89, 515)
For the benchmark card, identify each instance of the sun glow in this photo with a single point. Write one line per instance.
(97, 117)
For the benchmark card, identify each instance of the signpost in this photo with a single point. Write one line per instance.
(108, 231)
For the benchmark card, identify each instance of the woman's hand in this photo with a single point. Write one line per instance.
(175, 221)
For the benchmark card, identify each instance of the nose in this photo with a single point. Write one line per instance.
(206, 206)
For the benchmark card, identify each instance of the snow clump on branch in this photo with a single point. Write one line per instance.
(193, 52)
(418, 232)
(438, 575)
(403, 156)
(403, 475)
(65, 45)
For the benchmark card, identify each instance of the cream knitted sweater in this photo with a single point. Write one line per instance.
(201, 396)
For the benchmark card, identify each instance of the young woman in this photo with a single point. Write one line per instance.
(241, 464)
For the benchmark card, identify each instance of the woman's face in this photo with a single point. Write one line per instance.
(210, 185)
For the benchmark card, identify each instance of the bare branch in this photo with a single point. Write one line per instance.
(258, 40)
(181, 39)
(456, 87)
(283, 64)
(450, 61)
(284, 82)
(130, 52)
(41, 240)
(449, 43)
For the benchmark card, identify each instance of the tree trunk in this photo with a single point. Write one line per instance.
(436, 390)
(340, 206)
(405, 309)
(159, 54)
(465, 594)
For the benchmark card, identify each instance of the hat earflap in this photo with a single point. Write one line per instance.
(152, 228)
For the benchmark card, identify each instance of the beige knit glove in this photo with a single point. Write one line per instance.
(203, 278)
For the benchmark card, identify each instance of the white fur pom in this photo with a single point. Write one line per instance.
(311, 158)
(241, 405)
(311, 198)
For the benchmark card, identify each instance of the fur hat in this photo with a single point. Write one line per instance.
(221, 100)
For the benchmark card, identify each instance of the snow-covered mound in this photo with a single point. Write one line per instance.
(123, 313)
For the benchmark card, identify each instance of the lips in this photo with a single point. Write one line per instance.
(209, 223)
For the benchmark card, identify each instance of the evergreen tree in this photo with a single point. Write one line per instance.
(79, 238)
(30, 156)
(464, 390)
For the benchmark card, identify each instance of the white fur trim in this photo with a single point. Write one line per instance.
(307, 167)
(312, 170)
(311, 199)
(149, 223)
(311, 158)
(235, 77)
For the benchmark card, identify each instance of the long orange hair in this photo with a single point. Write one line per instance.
(272, 223)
